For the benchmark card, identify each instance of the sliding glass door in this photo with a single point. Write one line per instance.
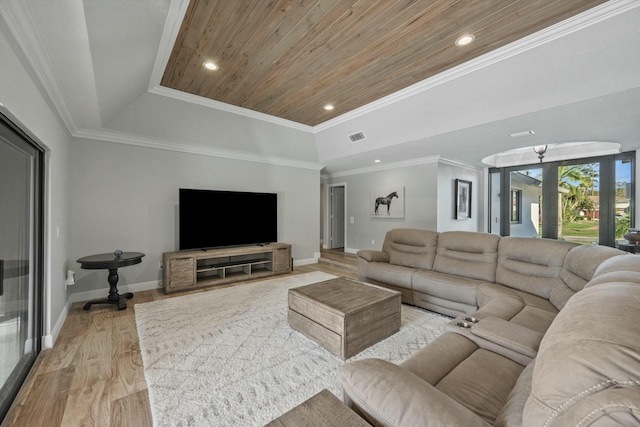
(586, 201)
(20, 259)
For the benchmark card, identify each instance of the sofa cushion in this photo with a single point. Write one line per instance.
(461, 370)
(392, 274)
(411, 247)
(468, 254)
(521, 308)
(388, 395)
(531, 265)
(448, 286)
(591, 351)
(435, 361)
(489, 291)
(579, 267)
(625, 268)
(582, 262)
(475, 385)
(534, 318)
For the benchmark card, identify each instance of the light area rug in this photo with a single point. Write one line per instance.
(228, 357)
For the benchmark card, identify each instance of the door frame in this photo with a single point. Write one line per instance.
(328, 230)
(40, 304)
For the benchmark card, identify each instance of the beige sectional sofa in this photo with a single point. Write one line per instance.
(552, 336)
(459, 272)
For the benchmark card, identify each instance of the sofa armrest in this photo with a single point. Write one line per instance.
(373, 256)
(388, 395)
(521, 350)
(508, 334)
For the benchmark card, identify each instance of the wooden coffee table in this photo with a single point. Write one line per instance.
(322, 410)
(344, 316)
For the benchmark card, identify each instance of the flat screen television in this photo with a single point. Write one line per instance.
(212, 219)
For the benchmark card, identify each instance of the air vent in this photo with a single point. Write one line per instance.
(356, 137)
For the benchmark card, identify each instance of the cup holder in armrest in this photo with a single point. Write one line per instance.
(462, 324)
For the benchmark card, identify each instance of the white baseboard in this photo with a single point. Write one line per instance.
(351, 250)
(102, 293)
(49, 340)
(314, 260)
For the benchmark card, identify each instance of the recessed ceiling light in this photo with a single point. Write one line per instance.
(377, 161)
(210, 65)
(465, 39)
(329, 107)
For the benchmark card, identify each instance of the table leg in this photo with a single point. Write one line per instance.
(114, 297)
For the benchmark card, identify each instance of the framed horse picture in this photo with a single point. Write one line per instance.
(462, 199)
(387, 202)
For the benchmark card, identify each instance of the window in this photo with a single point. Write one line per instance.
(586, 201)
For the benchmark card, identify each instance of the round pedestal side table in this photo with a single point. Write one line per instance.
(111, 262)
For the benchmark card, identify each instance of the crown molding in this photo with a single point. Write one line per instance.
(576, 23)
(459, 165)
(400, 165)
(121, 138)
(172, 24)
(222, 106)
(16, 16)
(177, 11)
(555, 152)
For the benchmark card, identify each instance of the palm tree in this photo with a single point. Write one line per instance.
(577, 179)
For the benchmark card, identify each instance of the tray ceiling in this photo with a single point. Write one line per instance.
(290, 58)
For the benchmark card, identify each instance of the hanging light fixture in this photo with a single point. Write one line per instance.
(540, 150)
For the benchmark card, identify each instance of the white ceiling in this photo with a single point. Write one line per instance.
(577, 81)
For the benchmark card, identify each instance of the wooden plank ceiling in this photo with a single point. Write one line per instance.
(289, 58)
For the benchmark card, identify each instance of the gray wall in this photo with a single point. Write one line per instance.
(428, 201)
(447, 175)
(183, 123)
(126, 197)
(419, 182)
(23, 98)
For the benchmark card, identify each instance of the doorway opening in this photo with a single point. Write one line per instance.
(337, 219)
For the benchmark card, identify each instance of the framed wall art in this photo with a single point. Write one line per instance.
(462, 199)
(387, 202)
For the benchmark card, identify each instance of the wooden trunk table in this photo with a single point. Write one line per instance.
(322, 410)
(344, 316)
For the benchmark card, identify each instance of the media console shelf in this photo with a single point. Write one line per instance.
(197, 269)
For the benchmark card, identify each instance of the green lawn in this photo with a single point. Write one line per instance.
(580, 228)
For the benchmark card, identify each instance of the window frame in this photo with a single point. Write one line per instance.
(550, 192)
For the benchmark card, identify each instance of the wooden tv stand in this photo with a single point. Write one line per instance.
(187, 270)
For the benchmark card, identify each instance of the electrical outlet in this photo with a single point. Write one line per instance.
(373, 242)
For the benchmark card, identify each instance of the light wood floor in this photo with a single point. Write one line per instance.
(93, 376)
